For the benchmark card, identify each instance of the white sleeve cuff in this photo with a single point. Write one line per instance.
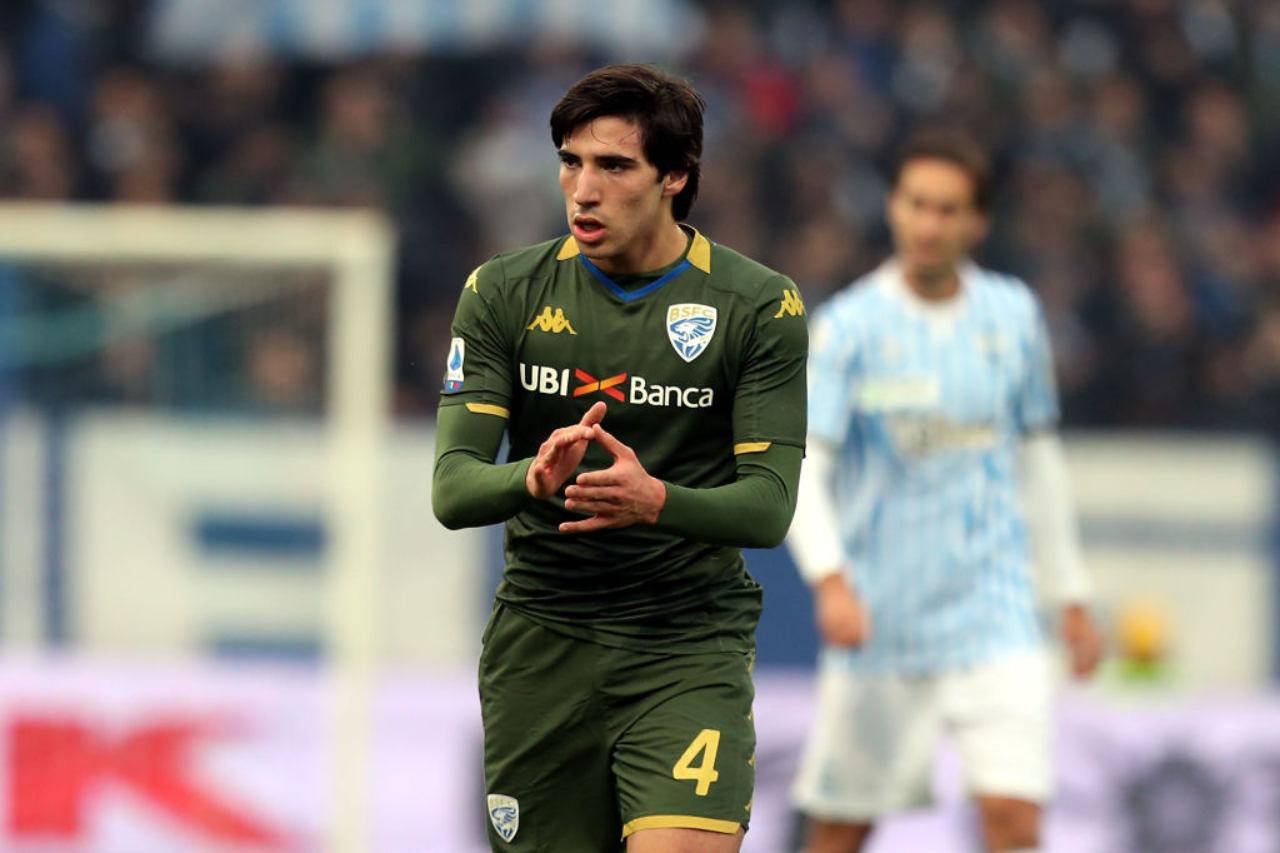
(814, 537)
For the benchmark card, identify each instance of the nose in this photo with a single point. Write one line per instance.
(929, 225)
(586, 191)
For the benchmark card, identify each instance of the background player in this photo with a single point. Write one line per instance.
(931, 398)
(615, 678)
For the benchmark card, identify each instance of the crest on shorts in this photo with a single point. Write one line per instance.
(504, 814)
(690, 327)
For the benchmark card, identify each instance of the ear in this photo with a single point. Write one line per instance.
(673, 183)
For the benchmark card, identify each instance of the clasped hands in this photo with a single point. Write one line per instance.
(618, 496)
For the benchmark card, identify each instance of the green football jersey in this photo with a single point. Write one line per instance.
(697, 363)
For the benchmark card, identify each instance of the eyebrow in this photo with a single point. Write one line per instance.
(919, 197)
(616, 160)
(603, 159)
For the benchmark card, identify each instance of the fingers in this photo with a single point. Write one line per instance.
(562, 438)
(594, 415)
(547, 455)
(587, 525)
(1085, 645)
(592, 507)
(555, 454)
(608, 442)
(570, 435)
(593, 493)
(846, 623)
(603, 477)
(588, 499)
(844, 635)
(1085, 658)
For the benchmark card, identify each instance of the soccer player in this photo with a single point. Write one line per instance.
(931, 402)
(651, 383)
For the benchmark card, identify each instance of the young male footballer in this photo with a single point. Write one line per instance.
(932, 412)
(652, 386)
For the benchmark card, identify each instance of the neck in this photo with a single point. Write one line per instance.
(653, 251)
(933, 285)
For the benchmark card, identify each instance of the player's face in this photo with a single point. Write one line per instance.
(618, 205)
(933, 218)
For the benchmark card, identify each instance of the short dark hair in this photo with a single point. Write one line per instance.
(667, 109)
(957, 148)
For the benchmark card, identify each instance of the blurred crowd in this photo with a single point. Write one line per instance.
(1136, 147)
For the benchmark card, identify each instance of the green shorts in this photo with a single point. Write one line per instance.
(586, 744)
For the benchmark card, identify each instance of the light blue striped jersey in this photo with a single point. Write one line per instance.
(925, 404)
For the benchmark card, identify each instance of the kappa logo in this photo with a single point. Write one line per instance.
(792, 305)
(504, 814)
(471, 281)
(690, 328)
(549, 322)
(453, 378)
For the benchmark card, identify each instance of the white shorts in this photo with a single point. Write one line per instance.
(875, 736)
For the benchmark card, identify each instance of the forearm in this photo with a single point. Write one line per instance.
(814, 538)
(752, 512)
(467, 488)
(1050, 516)
(469, 492)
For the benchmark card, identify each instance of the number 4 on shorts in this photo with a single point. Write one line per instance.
(708, 743)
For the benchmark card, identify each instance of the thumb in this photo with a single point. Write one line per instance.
(594, 415)
(608, 442)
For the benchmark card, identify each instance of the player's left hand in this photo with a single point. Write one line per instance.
(619, 496)
(1083, 640)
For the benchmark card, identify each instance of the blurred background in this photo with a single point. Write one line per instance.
(232, 233)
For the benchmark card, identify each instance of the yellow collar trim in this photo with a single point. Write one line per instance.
(568, 249)
(699, 251)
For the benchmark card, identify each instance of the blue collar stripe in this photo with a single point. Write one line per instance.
(632, 295)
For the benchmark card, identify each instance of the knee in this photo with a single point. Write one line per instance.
(1010, 824)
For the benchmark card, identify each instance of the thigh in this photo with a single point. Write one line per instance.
(684, 757)
(546, 755)
(871, 748)
(1000, 715)
(684, 841)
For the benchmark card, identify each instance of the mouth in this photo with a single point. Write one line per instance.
(587, 229)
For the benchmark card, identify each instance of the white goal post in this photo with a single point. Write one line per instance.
(357, 248)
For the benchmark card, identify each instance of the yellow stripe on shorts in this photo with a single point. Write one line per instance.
(679, 821)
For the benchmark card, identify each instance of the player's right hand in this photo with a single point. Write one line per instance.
(843, 620)
(561, 454)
